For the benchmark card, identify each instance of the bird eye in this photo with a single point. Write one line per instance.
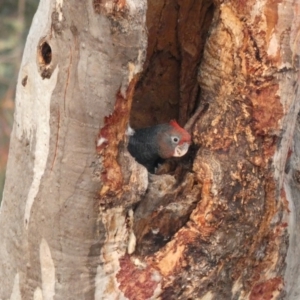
(175, 139)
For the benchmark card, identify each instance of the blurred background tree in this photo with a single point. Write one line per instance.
(15, 20)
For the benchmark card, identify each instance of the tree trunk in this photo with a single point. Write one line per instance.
(79, 58)
(80, 219)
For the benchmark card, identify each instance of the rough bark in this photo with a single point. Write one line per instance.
(236, 238)
(82, 220)
(291, 184)
(79, 58)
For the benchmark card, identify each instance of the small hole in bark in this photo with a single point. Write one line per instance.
(46, 53)
(45, 59)
(24, 80)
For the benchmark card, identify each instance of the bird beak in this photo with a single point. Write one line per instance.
(180, 150)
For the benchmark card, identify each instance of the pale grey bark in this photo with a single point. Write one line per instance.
(292, 186)
(51, 234)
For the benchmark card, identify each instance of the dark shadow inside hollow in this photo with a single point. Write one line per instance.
(44, 56)
(46, 53)
(168, 87)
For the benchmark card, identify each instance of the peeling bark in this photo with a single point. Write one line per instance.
(77, 62)
(235, 242)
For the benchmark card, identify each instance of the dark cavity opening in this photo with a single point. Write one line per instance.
(168, 87)
(46, 53)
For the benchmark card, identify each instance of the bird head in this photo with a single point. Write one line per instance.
(174, 141)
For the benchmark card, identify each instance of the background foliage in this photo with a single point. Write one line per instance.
(15, 20)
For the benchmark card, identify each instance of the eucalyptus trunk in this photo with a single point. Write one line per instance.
(81, 219)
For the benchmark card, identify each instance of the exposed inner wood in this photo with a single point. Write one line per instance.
(224, 225)
(168, 87)
(222, 228)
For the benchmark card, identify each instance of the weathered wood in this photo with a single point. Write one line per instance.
(235, 243)
(82, 220)
(78, 57)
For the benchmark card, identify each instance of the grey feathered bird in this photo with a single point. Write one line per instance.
(149, 145)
